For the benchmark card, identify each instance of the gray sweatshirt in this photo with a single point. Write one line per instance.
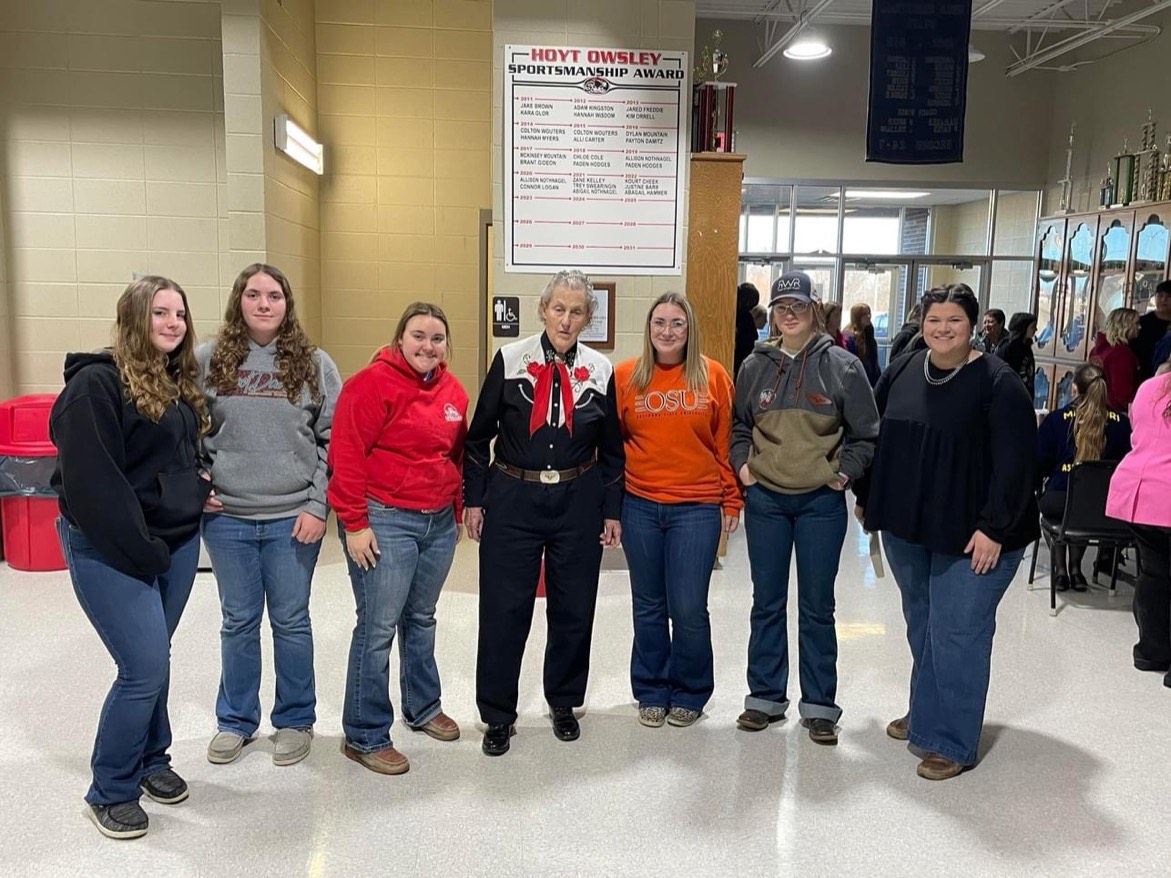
(267, 457)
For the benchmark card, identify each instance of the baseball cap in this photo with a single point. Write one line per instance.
(791, 285)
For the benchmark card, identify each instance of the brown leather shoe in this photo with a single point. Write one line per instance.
(441, 727)
(388, 761)
(899, 728)
(936, 767)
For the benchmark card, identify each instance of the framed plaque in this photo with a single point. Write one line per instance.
(600, 331)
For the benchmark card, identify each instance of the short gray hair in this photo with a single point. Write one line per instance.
(570, 279)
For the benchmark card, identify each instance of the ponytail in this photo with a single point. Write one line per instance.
(1090, 413)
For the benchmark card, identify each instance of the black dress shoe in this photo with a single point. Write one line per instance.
(1060, 582)
(1077, 581)
(496, 741)
(565, 725)
(1148, 665)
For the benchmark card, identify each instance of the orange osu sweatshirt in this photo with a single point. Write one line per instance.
(677, 439)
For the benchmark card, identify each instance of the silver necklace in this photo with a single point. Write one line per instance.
(939, 382)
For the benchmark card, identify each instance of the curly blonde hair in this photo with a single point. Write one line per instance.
(295, 355)
(155, 380)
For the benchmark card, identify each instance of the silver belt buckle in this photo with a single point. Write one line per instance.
(550, 477)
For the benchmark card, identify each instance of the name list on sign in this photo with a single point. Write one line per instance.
(593, 159)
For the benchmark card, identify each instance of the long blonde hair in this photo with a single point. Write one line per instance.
(694, 365)
(295, 354)
(1090, 413)
(155, 380)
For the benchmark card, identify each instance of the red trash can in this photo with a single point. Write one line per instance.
(28, 516)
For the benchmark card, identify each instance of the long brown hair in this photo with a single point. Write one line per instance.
(155, 380)
(694, 365)
(862, 338)
(296, 358)
(417, 309)
(1091, 412)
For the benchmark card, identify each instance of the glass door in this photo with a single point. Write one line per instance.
(1114, 240)
(1075, 306)
(1047, 284)
(880, 286)
(1150, 261)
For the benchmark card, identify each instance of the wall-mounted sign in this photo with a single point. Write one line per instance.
(918, 82)
(595, 149)
(506, 316)
(599, 332)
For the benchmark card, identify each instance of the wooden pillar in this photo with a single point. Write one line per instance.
(713, 249)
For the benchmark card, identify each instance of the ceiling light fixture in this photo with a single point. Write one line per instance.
(808, 47)
(974, 54)
(884, 194)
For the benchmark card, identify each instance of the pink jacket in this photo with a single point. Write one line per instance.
(1140, 491)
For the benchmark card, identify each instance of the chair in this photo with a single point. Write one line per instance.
(1085, 522)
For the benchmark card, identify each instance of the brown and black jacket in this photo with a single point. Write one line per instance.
(799, 421)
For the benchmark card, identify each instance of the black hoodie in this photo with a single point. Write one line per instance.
(132, 486)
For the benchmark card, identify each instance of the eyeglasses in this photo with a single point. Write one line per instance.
(661, 326)
(795, 308)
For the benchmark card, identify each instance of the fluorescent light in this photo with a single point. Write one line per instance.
(296, 143)
(884, 194)
(808, 48)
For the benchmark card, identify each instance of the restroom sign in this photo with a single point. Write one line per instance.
(505, 316)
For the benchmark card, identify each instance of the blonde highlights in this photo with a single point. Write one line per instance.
(1121, 326)
(296, 358)
(155, 380)
(1090, 413)
(694, 365)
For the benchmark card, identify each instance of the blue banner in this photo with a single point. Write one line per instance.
(918, 81)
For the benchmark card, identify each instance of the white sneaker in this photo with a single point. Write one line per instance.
(290, 746)
(225, 747)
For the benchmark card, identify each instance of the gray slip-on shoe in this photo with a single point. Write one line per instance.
(290, 746)
(225, 747)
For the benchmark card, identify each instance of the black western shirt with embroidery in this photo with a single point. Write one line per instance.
(504, 412)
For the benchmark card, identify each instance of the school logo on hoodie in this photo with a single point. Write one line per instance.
(250, 382)
(451, 413)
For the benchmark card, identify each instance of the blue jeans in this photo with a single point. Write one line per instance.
(399, 593)
(813, 524)
(135, 617)
(258, 563)
(670, 548)
(951, 619)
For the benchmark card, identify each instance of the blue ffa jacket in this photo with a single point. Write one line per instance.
(1056, 450)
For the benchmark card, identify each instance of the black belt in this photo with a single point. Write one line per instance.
(544, 476)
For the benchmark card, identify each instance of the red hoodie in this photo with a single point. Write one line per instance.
(397, 439)
(1120, 365)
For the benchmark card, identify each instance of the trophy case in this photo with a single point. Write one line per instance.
(1085, 266)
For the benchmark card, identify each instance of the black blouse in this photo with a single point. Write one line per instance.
(953, 459)
(506, 404)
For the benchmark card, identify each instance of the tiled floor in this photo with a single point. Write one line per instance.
(1074, 781)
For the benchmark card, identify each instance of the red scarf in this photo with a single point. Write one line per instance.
(544, 392)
